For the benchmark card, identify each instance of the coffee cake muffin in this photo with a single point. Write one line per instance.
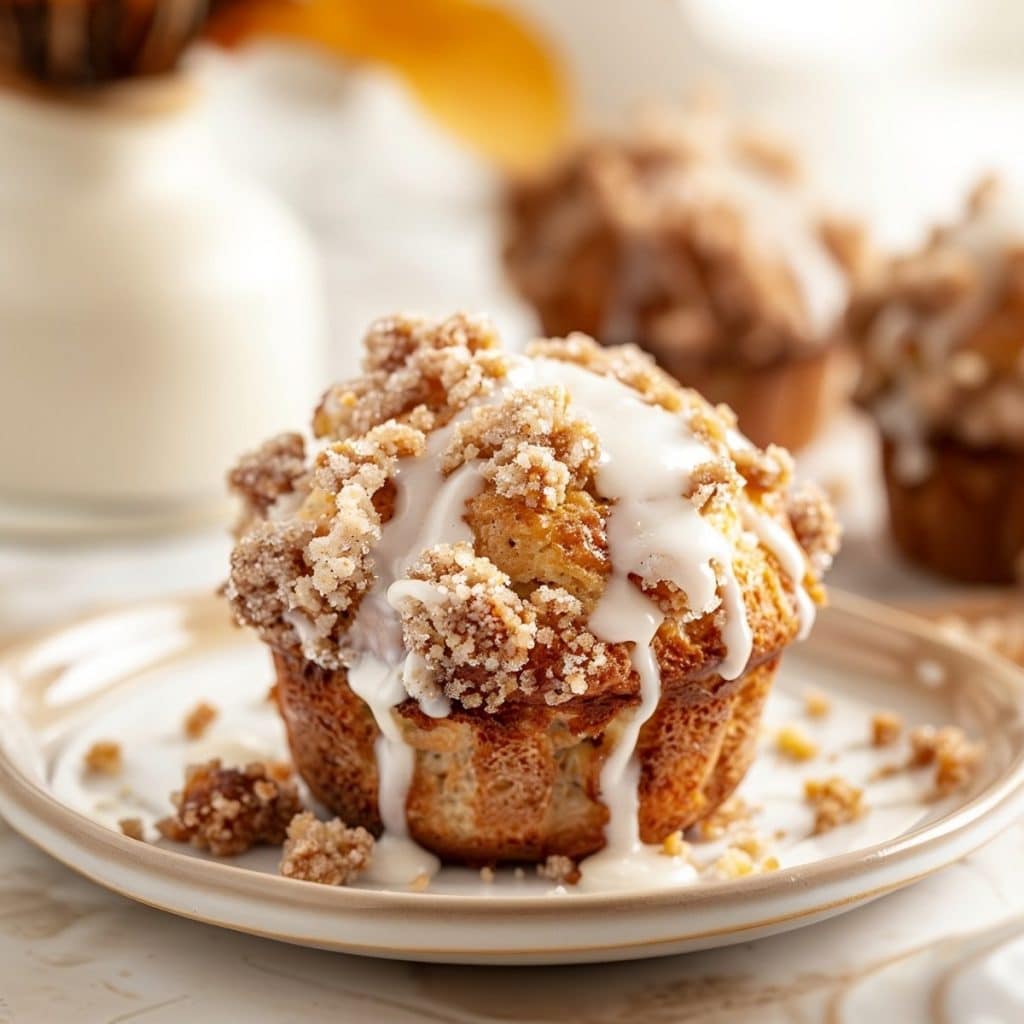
(697, 243)
(523, 606)
(942, 336)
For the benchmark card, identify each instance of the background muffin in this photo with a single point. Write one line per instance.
(458, 530)
(942, 336)
(698, 243)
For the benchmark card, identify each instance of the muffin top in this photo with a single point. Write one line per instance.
(691, 238)
(942, 334)
(515, 529)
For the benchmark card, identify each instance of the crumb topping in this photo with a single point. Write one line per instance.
(941, 331)
(531, 445)
(326, 852)
(505, 614)
(229, 810)
(417, 371)
(264, 476)
(199, 719)
(104, 758)
(835, 802)
(681, 234)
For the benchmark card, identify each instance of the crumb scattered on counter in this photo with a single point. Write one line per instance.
(886, 728)
(325, 852)
(816, 703)
(558, 868)
(104, 758)
(132, 828)
(229, 810)
(835, 802)
(792, 742)
(199, 719)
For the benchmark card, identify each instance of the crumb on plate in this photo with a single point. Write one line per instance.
(229, 810)
(199, 719)
(816, 703)
(791, 741)
(956, 758)
(835, 802)
(325, 852)
(886, 728)
(559, 868)
(104, 758)
(732, 812)
(132, 828)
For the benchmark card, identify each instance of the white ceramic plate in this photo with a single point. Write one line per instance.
(131, 674)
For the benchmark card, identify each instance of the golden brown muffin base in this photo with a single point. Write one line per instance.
(966, 519)
(523, 784)
(787, 403)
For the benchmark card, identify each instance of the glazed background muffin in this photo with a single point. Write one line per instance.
(512, 598)
(698, 243)
(942, 336)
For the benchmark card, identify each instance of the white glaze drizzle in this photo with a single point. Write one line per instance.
(647, 455)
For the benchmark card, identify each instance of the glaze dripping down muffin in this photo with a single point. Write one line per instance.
(523, 606)
(697, 242)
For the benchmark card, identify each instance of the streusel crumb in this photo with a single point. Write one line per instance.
(557, 868)
(955, 757)
(104, 758)
(132, 828)
(815, 525)
(835, 802)
(734, 863)
(886, 728)
(731, 813)
(326, 852)
(673, 845)
(418, 371)
(199, 719)
(531, 445)
(791, 741)
(228, 810)
(816, 703)
(263, 476)
(487, 874)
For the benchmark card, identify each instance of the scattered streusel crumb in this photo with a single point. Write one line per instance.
(325, 852)
(770, 864)
(792, 742)
(835, 802)
(886, 728)
(727, 815)
(816, 703)
(420, 882)
(199, 719)
(956, 758)
(487, 874)
(104, 758)
(519, 874)
(752, 843)
(674, 845)
(734, 863)
(132, 828)
(558, 868)
(228, 810)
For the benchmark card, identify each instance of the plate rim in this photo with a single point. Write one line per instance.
(30, 809)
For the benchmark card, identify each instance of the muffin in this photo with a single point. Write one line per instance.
(523, 605)
(942, 336)
(697, 243)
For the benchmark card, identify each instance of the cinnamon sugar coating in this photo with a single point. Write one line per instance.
(325, 852)
(941, 331)
(679, 234)
(229, 810)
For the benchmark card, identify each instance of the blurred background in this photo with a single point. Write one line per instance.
(202, 206)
